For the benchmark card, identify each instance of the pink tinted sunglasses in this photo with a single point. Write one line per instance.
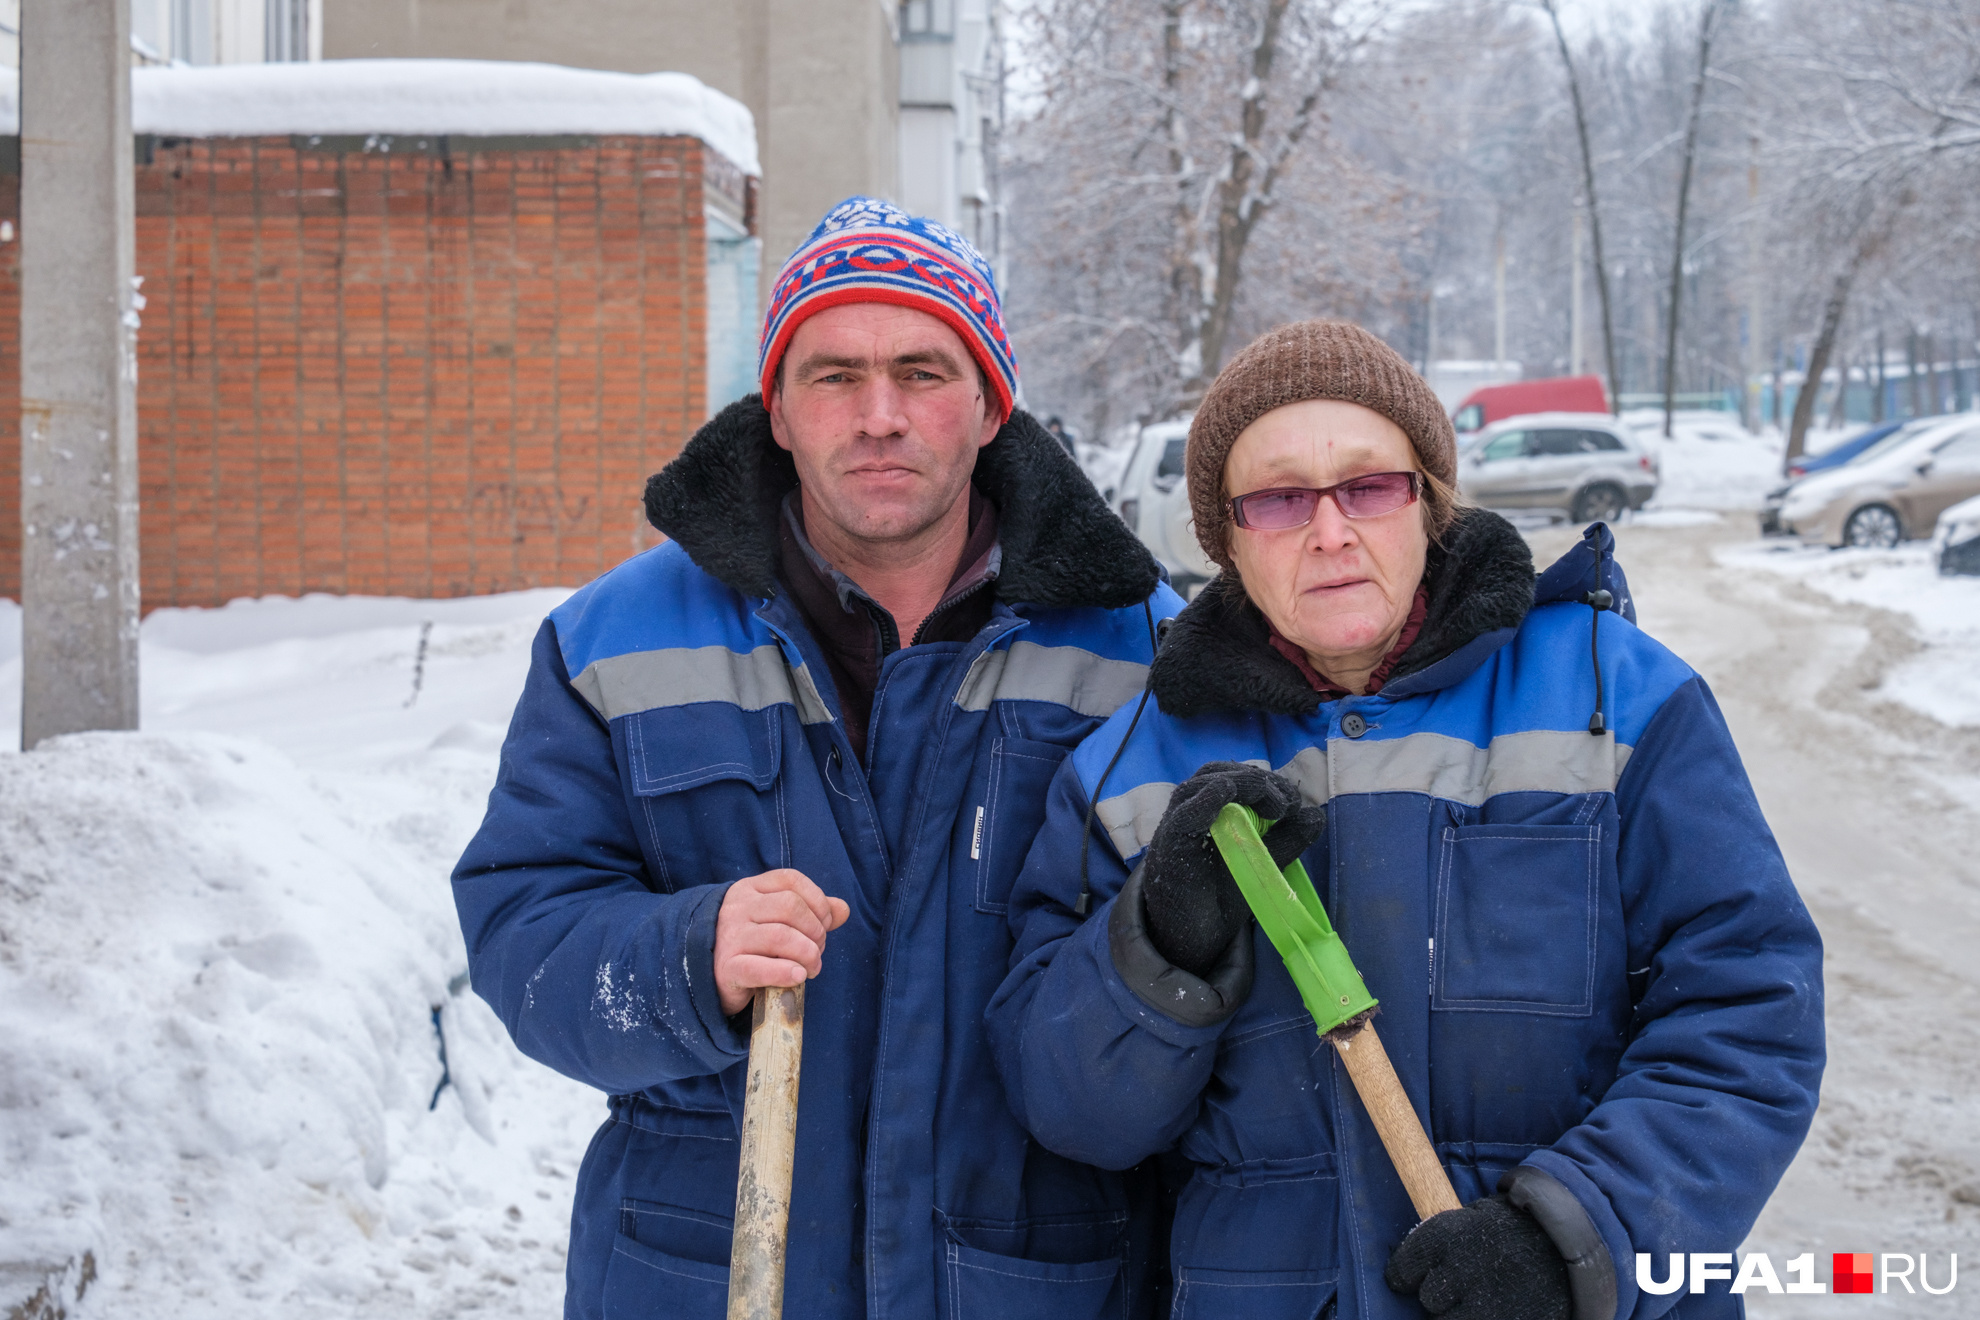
(1285, 507)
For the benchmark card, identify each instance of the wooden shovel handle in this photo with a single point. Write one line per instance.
(769, 1145)
(1395, 1120)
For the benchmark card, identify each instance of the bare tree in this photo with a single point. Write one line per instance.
(1708, 21)
(1594, 206)
(1901, 92)
(1190, 172)
(1247, 185)
(1818, 357)
(1175, 129)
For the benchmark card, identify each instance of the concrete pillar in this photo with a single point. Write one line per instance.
(79, 560)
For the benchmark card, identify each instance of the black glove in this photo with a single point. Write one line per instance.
(1194, 907)
(1488, 1261)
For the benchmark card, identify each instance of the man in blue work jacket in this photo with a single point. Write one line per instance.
(809, 738)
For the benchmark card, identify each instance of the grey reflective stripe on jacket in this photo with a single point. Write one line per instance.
(1433, 764)
(681, 676)
(1064, 675)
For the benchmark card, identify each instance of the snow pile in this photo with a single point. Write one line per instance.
(1660, 517)
(1941, 681)
(1709, 462)
(472, 97)
(243, 670)
(227, 967)
(1712, 462)
(1713, 474)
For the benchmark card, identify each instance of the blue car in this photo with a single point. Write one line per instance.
(1842, 453)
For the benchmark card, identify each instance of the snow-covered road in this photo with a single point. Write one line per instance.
(1877, 808)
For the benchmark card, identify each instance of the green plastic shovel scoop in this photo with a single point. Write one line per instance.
(1290, 914)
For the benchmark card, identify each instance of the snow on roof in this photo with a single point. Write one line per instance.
(468, 97)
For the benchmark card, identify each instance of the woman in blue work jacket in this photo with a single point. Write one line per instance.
(1528, 823)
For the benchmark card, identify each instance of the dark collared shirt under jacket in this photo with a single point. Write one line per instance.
(857, 633)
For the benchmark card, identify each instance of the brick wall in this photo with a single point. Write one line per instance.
(399, 367)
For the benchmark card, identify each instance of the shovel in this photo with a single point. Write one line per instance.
(769, 1144)
(1290, 914)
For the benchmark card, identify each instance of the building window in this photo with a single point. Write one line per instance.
(927, 18)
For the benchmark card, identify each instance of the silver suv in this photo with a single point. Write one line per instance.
(1585, 466)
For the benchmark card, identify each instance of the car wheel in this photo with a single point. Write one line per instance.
(1873, 526)
(1599, 504)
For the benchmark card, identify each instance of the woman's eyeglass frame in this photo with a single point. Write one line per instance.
(1236, 504)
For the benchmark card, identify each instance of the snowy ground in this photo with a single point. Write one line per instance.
(1710, 462)
(223, 943)
(1940, 677)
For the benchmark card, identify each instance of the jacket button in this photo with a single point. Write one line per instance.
(1353, 725)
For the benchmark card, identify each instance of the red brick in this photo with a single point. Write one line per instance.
(362, 373)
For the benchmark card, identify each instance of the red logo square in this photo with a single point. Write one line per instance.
(1852, 1272)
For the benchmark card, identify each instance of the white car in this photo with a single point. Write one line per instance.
(1153, 500)
(1956, 541)
(1582, 466)
(1893, 491)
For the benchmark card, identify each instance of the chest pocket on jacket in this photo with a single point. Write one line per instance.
(1515, 927)
(1002, 826)
(705, 781)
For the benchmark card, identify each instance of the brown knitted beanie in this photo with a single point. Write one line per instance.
(1310, 360)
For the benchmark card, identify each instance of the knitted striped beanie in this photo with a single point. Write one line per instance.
(867, 250)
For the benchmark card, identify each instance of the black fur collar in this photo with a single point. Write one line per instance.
(1062, 545)
(1217, 656)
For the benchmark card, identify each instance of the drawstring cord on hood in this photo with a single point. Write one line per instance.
(1599, 601)
(1085, 899)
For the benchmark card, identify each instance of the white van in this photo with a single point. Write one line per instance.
(1153, 500)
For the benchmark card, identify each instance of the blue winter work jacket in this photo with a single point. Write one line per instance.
(679, 731)
(1594, 972)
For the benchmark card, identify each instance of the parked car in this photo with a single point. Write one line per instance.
(1770, 510)
(1153, 500)
(1894, 491)
(1583, 466)
(1956, 542)
(1844, 452)
(1494, 403)
(1849, 451)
